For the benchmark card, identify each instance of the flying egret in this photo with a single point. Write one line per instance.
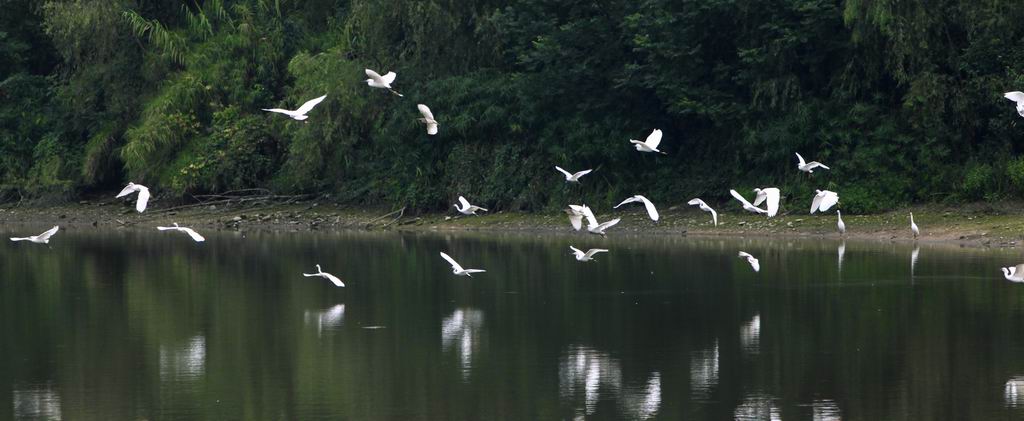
(142, 200)
(458, 270)
(913, 226)
(588, 256)
(299, 114)
(428, 119)
(572, 177)
(750, 259)
(576, 215)
(770, 195)
(383, 82)
(191, 233)
(808, 167)
(1018, 97)
(747, 205)
(704, 207)
(334, 279)
(823, 200)
(1014, 273)
(649, 145)
(467, 209)
(839, 224)
(592, 226)
(651, 211)
(43, 238)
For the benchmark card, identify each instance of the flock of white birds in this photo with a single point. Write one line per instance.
(822, 201)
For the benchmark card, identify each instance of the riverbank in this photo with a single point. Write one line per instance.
(1000, 225)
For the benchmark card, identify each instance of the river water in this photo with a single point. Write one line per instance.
(148, 325)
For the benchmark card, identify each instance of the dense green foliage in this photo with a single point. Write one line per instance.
(902, 99)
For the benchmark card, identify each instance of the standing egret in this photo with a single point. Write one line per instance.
(43, 238)
(191, 232)
(142, 200)
(458, 270)
(428, 119)
(576, 215)
(747, 205)
(1014, 273)
(383, 82)
(750, 259)
(808, 167)
(704, 207)
(466, 208)
(334, 279)
(649, 145)
(592, 226)
(913, 226)
(588, 256)
(769, 195)
(839, 224)
(299, 114)
(572, 177)
(823, 200)
(1018, 97)
(652, 212)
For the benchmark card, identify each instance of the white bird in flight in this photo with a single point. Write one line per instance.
(1014, 273)
(334, 279)
(823, 200)
(808, 167)
(750, 259)
(299, 114)
(467, 209)
(191, 232)
(383, 82)
(651, 210)
(588, 256)
(572, 177)
(592, 226)
(704, 207)
(142, 200)
(839, 224)
(428, 119)
(913, 226)
(576, 215)
(747, 205)
(457, 269)
(1018, 97)
(43, 238)
(649, 145)
(770, 196)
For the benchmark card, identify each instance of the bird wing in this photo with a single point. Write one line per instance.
(389, 77)
(431, 128)
(816, 164)
(760, 197)
(425, 111)
(695, 202)
(745, 255)
(654, 139)
(576, 221)
(714, 215)
(651, 210)
(129, 189)
(375, 76)
(592, 252)
(1020, 267)
(280, 110)
(1015, 96)
(582, 173)
(816, 202)
(773, 200)
(801, 159)
(310, 274)
(830, 199)
(739, 197)
(192, 233)
(166, 228)
(474, 270)
(754, 264)
(589, 214)
(49, 233)
(561, 170)
(608, 224)
(143, 200)
(308, 106)
(455, 265)
(576, 251)
(333, 279)
(464, 202)
(628, 200)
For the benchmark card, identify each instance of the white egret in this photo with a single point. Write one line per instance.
(808, 167)
(383, 82)
(823, 200)
(704, 207)
(572, 177)
(142, 200)
(299, 114)
(43, 238)
(652, 212)
(1018, 97)
(649, 145)
(1014, 273)
(592, 226)
(576, 214)
(913, 226)
(769, 195)
(839, 223)
(750, 259)
(747, 205)
(191, 232)
(334, 279)
(467, 209)
(588, 256)
(428, 119)
(457, 269)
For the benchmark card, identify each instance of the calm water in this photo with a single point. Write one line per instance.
(131, 325)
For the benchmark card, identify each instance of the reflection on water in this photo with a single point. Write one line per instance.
(842, 252)
(826, 410)
(750, 335)
(704, 372)
(913, 259)
(329, 319)
(1013, 392)
(184, 362)
(462, 330)
(42, 403)
(758, 407)
(644, 403)
(582, 372)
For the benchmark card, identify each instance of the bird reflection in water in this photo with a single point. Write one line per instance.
(750, 335)
(36, 403)
(757, 407)
(593, 374)
(1013, 392)
(462, 328)
(704, 372)
(329, 319)
(183, 362)
(826, 410)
